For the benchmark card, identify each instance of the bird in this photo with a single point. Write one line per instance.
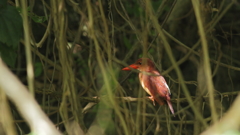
(152, 82)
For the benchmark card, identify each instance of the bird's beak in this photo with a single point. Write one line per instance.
(134, 66)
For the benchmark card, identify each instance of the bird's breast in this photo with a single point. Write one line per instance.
(146, 89)
(141, 79)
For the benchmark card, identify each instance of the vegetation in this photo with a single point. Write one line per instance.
(70, 53)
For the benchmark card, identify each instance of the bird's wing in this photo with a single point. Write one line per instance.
(162, 82)
(157, 86)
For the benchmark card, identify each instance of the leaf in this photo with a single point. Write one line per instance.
(33, 16)
(126, 42)
(38, 19)
(38, 69)
(8, 54)
(3, 3)
(10, 26)
(151, 51)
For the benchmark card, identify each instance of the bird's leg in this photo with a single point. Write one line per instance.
(151, 98)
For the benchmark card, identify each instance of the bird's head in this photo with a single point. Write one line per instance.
(143, 64)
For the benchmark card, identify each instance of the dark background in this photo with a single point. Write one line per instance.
(115, 33)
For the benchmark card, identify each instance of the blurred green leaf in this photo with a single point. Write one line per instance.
(133, 9)
(153, 32)
(38, 69)
(126, 42)
(10, 26)
(156, 4)
(151, 51)
(8, 54)
(3, 3)
(34, 17)
(38, 19)
(131, 80)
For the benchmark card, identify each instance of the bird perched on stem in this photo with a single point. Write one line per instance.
(152, 82)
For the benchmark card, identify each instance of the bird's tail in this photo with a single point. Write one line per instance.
(170, 107)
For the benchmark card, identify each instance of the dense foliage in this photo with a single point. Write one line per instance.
(79, 47)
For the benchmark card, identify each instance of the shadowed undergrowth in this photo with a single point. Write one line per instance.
(79, 47)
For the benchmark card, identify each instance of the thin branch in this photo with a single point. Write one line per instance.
(206, 62)
(173, 100)
(30, 73)
(173, 61)
(196, 53)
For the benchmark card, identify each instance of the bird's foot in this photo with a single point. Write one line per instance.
(151, 98)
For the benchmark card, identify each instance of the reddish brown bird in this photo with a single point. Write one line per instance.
(152, 82)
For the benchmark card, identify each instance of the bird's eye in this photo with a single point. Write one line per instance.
(139, 63)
